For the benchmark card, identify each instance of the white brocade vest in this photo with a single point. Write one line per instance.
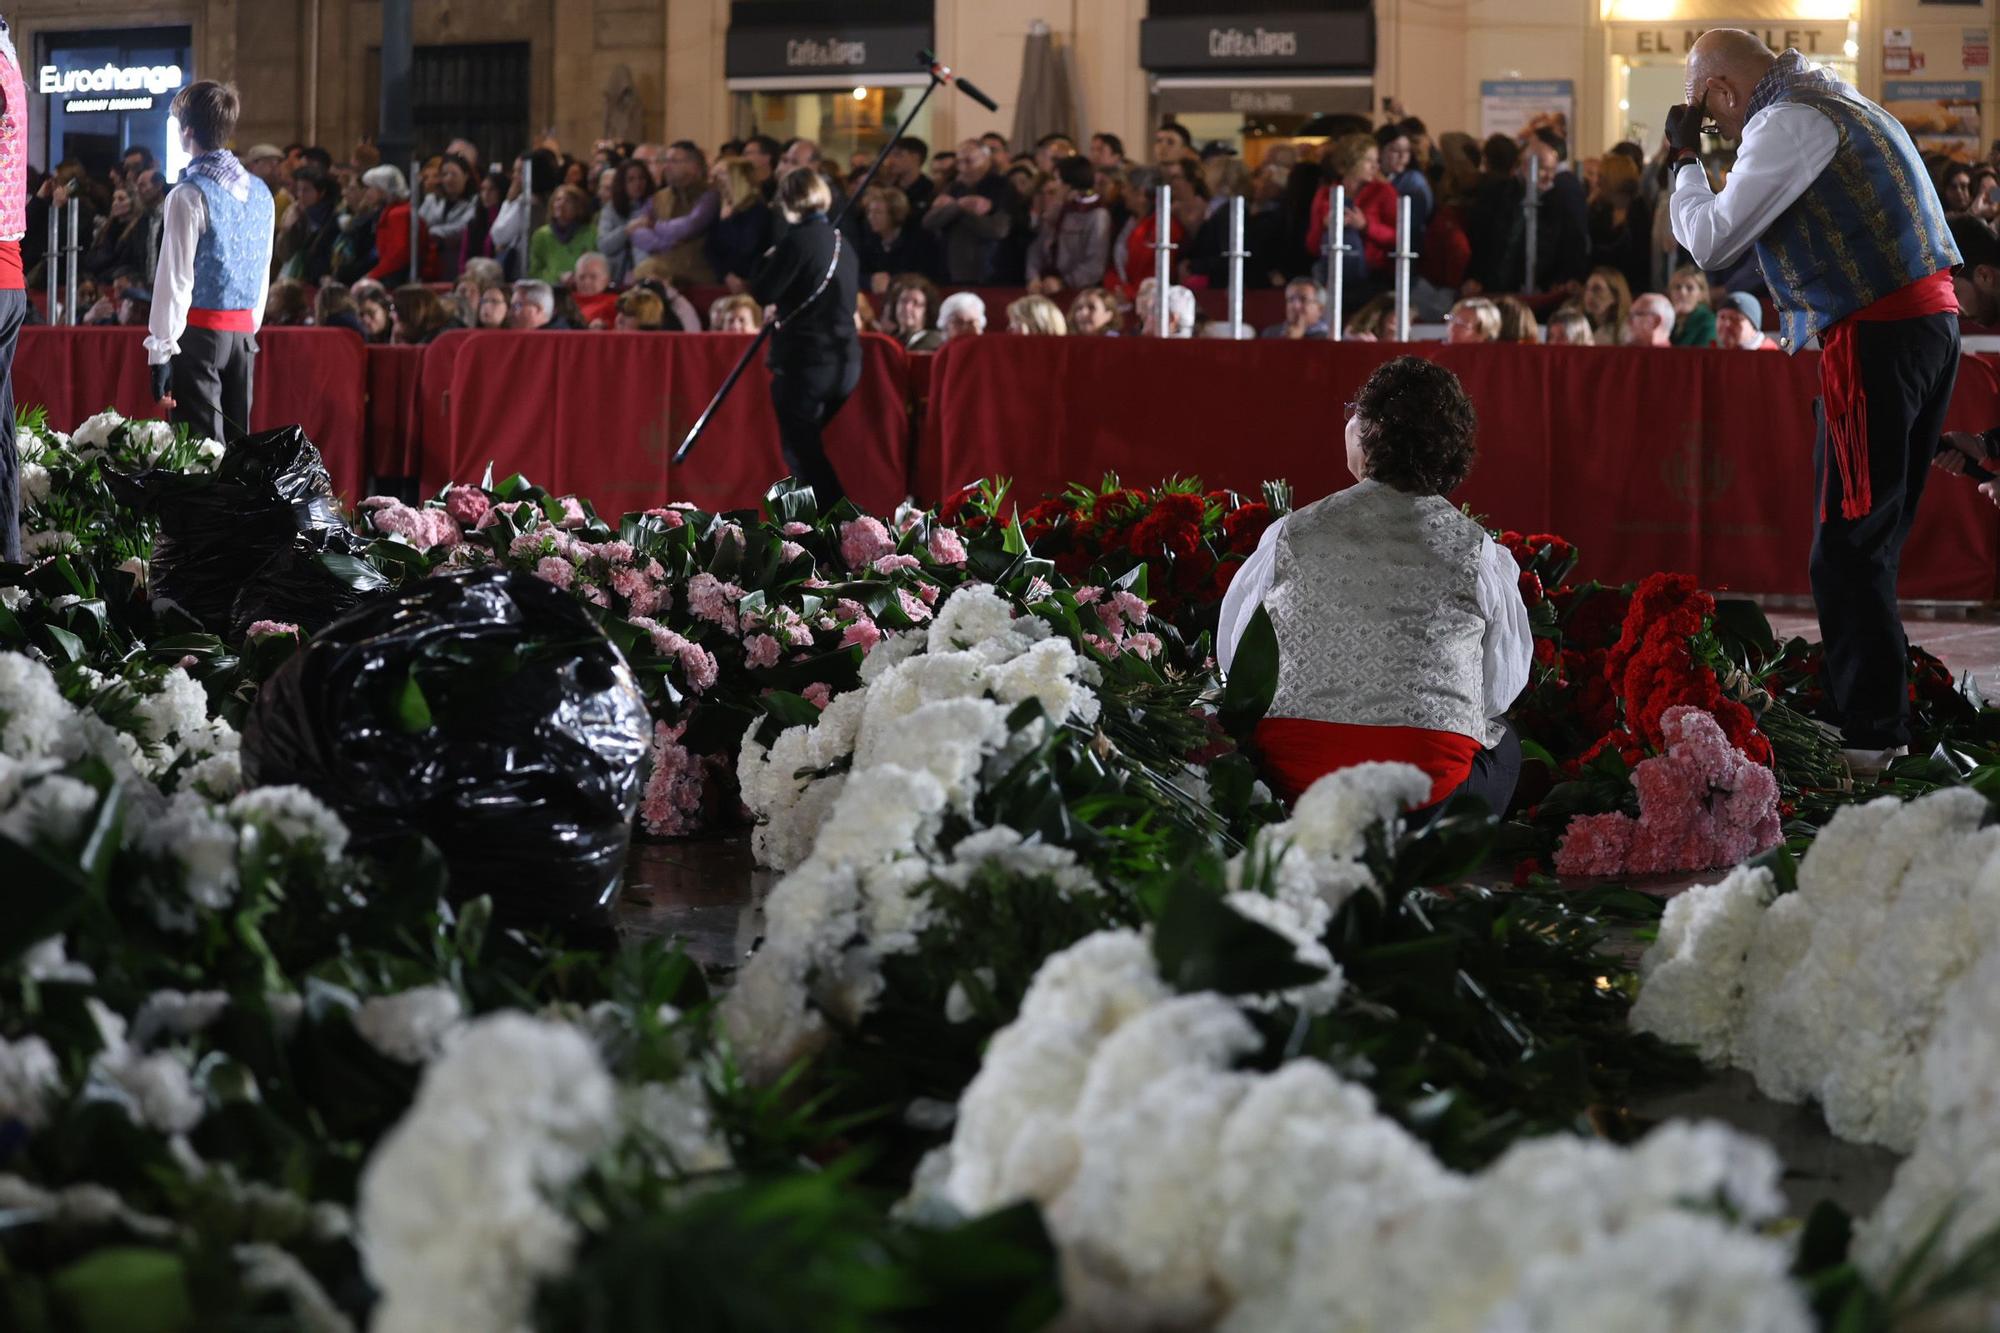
(1375, 599)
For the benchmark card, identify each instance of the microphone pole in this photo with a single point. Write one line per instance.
(940, 75)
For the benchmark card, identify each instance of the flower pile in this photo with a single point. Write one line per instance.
(1187, 1192)
(1702, 804)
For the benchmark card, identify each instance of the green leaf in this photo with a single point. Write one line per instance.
(413, 711)
(1203, 944)
(125, 1289)
(1253, 677)
(70, 646)
(352, 571)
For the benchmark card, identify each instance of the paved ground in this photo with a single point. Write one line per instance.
(707, 895)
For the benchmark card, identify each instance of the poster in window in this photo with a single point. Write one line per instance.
(1941, 115)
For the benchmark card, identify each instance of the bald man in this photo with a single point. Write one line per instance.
(1852, 241)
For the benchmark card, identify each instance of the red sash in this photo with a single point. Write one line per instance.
(223, 321)
(1840, 386)
(1295, 753)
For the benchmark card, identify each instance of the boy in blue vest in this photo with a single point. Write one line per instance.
(1852, 241)
(213, 274)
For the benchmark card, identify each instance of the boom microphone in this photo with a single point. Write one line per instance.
(942, 73)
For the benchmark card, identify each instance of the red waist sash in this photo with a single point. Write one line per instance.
(1295, 753)
(1840, 386)
(223, 321)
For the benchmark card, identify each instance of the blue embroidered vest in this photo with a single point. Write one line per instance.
(1868, 225)
(234, 249)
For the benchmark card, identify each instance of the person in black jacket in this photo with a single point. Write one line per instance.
(811, 276)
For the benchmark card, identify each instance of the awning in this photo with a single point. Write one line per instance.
(816, 83)
(1283, 95)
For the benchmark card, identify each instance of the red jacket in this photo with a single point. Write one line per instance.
(1377, 202)
(392, 247)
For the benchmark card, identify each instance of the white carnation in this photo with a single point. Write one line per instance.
(295, 815)
(1693, 973)
(33, 712)
(29, 1080)
(35, 481)
(97, 432)
(411, 1026)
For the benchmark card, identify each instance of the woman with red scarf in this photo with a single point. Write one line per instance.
(1355, 162)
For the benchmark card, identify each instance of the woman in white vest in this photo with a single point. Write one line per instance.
(1401, 630)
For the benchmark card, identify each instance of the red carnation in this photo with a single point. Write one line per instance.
(1531, 588)
(1243, 528)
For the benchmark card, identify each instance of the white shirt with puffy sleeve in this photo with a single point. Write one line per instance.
(1783, 150)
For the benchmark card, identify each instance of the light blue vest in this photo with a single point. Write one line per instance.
(1868, 225)
(232, 253)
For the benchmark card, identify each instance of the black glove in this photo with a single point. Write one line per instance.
(162, 378)
(1684, 128)
(1965, 454)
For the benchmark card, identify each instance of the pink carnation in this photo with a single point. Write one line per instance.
(559, 572)
(1088, 594)
(710, 599)
(512, 507)
(592, 593)
(913, 607)
(676, 789)
(946, 548)
(1145, 645)
(573, 515)
(864, 541)
(422, 528)
(929, 592)
(628, 583)
(863, 633)
(266, 629)
(671, 517)
(890, 564)
(1702, 805)
(468, 504)
(819, 694)
(760, 651)
(796, 529)
(790, 551)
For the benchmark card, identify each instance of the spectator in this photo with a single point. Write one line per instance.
(1651, 323)
(333, 308)
(1172, 142)
(129, 236)
(479, 276)
(1107, 150)
(1606, 302)
(1400, 169)
(1562, 223)
(674, 224)
(494, 308)
(373, 309)
(1003, 153)
(1517, 322)
(1037, 314)
(629, 189)
(1446, 248)
(944, 170)
(1694, 321)
(1073, 247)
(906, 312)
(490, 201)
(591, 287)
(903, 168)
(973, 216)
(963, 315)
(742, 230)
(761, 151)
(267, 163)
(526, 208)
(1474, 320)
(640, 311)
(658, 274)
(555, 249)
(1739, 325)
(890, 241)
(799, 153)
(1094, 313)
(1133, 255)
(1305, 311)
(1374, 322)
(448, 213)
(467, 152)
(1954, 186)
(1570, 327)
(1051, 149)
(135, 306)
(418, 315)
(534, 307)
(1493, 214)
(287, 304)
(308, 228)
(1181, 312)
(389, 202)
(1620, 221)
(1354, 161)
(735, 313)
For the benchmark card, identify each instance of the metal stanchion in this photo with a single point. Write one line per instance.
(52, 262)
(1404, 256)
(416, 169)
(1531, 209)
(1163, 264)
(1336, 265)
(75, 253)
(1237, 255)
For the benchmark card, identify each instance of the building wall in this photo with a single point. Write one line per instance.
(301, 64)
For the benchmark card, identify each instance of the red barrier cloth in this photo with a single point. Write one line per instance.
(1648, 460)
(395, 410)
(1262, 306)
(315, 378)
(600, 415)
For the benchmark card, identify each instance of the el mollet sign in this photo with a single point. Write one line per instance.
(1339, 40)
(766, 52)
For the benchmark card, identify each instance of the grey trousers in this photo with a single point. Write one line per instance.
(213, 376)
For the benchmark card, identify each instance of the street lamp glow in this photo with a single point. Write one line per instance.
(1853, 49)
(860, 94)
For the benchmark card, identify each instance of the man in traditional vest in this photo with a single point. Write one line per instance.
(13, 291)
(213, 275)
(1852, 241)
(1402, 635)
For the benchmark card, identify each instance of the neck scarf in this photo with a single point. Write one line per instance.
(221, 167)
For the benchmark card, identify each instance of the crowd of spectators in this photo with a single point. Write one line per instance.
(615, 240)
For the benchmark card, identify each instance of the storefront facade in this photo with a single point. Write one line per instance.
(795, 71)
(101, 91)
(1246, 78)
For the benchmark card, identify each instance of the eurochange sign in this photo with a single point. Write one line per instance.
(89, 89)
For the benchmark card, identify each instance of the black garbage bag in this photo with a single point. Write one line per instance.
(483, 710)
(317, 579)
(217, 530)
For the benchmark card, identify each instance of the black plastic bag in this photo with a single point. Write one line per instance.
(317, 579)
(217, 530)
(483, 710)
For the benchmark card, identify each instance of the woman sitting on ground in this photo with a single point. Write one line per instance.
(1401, 631)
